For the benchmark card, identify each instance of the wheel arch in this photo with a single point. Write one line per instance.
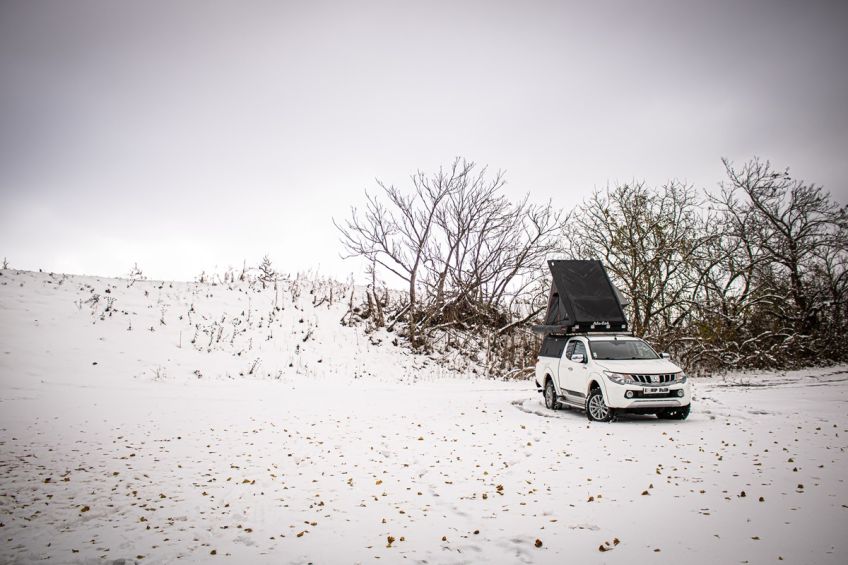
(549, 377)
(596, 383)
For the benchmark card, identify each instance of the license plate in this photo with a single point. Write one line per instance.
(657, 390)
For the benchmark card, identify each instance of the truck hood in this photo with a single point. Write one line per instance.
(640, 366)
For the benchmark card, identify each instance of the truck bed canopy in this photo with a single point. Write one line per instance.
(582, 299)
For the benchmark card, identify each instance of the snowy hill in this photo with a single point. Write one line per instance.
(103, 328)
(133, 428)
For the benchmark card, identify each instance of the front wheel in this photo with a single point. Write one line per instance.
(550, 396)
(596, 409)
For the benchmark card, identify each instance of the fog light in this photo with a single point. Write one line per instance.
(628, 394)
(680, 392)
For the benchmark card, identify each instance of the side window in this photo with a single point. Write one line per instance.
(579, 349)
(569, 349)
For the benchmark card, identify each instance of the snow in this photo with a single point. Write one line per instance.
(138, 458)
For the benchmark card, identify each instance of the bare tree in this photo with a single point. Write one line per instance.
(396, 235)
(790, 224)
(650, 240)
(466, 252)
(787, 269)
(135, 274)
(266, 270)
(831, 271)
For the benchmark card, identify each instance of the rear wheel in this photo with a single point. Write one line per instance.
(675, 413)
(596, 409)
(551, 402)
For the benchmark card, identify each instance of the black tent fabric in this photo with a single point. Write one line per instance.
(582, 299)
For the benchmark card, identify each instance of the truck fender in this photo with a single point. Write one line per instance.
(553, 380)
(601, 384)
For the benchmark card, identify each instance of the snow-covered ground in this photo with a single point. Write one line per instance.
(341, 448)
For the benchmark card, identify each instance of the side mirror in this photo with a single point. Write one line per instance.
(577, 357)
(665, 355)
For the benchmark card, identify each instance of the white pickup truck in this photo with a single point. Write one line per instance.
(607, 373)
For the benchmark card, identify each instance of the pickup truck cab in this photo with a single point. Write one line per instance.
(608, 373)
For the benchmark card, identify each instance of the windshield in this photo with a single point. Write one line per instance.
(617, 350)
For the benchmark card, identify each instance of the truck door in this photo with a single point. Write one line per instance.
(573, 374)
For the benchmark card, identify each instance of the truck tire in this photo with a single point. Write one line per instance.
(596, 409)
(551, 402)
(675, 413)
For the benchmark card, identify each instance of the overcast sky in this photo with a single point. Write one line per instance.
(192, 135)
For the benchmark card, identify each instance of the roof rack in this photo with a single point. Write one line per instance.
(544, 331)
(577, 329)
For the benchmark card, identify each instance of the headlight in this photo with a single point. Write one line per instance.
(619, 378)
(680, 378)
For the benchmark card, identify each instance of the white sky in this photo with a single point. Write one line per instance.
(192, 135)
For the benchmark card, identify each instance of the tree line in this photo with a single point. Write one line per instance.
(750, 276)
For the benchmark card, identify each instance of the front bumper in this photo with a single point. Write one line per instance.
(647, 396)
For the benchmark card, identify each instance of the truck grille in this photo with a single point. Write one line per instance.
(654, 379)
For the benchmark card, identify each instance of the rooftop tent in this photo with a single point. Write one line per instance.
(582, 299)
